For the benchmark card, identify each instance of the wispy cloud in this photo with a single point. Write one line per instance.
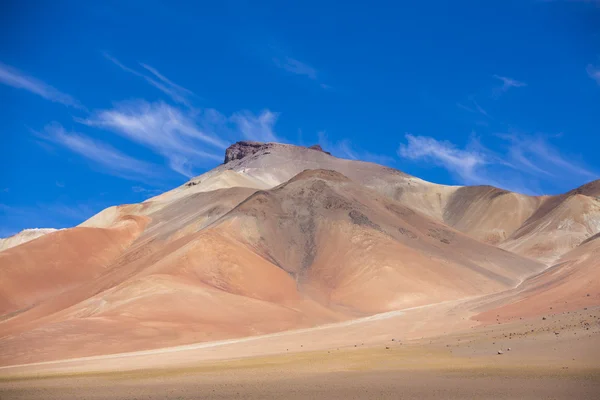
(164, 129)
(176, 92)
(105, 156)
(346, 149)
(187, 140)
(258, 128)
(525, 165)
(296, 67)
(300, 68)
(594, 73)
(474, 107)
(538, 156)
(507, 83)
(17, 79)
(464, 163)
(145, 191)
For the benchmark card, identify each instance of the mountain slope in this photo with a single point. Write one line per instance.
(235, 262)
(52, 264)
(560, 224)
(355, 249)
(571, 284)
(517, 222)
(24, 236)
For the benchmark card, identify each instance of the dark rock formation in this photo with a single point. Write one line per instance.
(243, 149)
(246, 148)
(318, 148)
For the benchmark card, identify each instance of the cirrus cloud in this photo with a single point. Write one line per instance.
(12, 77)
(524, 164)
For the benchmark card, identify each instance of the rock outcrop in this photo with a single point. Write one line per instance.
(246, 148)
(242, 149)
(318, 148)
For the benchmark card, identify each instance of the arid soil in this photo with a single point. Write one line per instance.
(554, 357)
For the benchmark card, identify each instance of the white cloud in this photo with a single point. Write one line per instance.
(145, 191)
(474, 107)
(296, 67)
(345, 149)
(187, 140)
(524, 165)
(12, 77)
(164, 129)
(507, 83)
(594, 73)
(537, 155)
(258, 128)
(464, 163)
(110, 159)
(176, 92)
(166, 80)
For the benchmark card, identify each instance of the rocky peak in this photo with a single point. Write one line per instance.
(243, 149)
(318, 148)
(246, 148)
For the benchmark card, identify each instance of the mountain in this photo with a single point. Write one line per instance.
(571, 284)
(509, 220)
(23, 237)
(559, 225)
(278, 237)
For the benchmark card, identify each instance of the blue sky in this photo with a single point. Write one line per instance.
(111, 102)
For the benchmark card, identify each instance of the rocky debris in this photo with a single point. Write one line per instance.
(500, 352)
(318, 148)
(407, 233)
(443, 235)
(243, 149)
(359, 218)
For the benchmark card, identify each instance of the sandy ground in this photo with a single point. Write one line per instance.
(556, 357)
(336, 385)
